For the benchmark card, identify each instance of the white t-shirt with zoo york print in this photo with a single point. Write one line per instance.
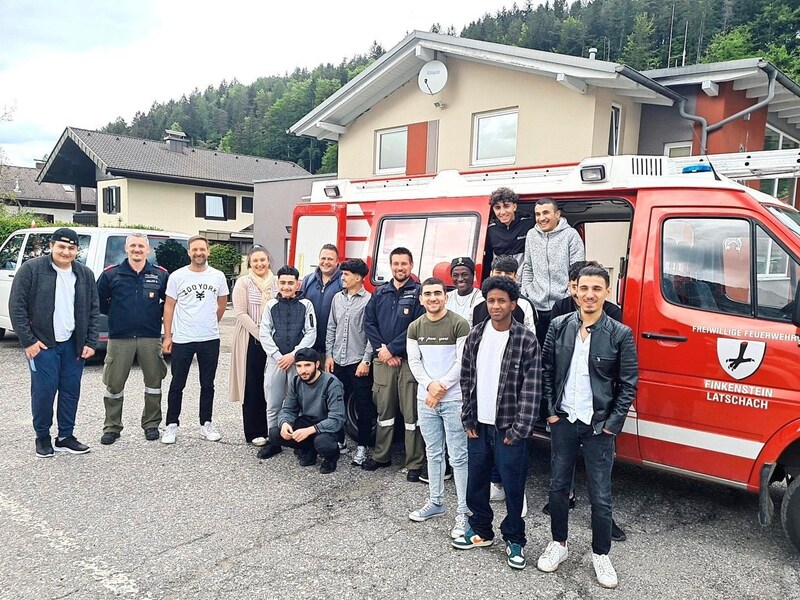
(195, 294)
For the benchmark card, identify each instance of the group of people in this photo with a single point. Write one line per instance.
(471, 372)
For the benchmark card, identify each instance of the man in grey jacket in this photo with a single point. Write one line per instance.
(550, 248)
(54, 310)
(312, 414)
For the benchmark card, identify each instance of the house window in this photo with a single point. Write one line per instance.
(494, 137)
(613, 130)
(678, 149)
(111, 200)
(247, 205)
(215, 207)
(390, 154)
(785, 188)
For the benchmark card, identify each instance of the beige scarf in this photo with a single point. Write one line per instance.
(266, 284)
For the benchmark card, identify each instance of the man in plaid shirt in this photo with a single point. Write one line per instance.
(500, 405)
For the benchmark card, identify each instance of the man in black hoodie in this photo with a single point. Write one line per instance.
(508, 230)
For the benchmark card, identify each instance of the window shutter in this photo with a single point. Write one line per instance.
(107, 200)
(200, 205)
(230, 214)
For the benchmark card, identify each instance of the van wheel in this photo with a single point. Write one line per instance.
(351, 421)
(2, 333)
(790, 513)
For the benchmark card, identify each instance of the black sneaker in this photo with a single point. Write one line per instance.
(413, 475)
(269, 451)
(71, 445)
(423, 474)
(448, 472)
(617, 534)
(373, 465)
(546, 507)
(328, 465)
(44, 447)
(307, 459)
(151, 434)
(109, 437)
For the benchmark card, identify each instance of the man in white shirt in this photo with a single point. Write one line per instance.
(465, 297)
(197, 296)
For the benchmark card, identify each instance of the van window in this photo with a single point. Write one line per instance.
(9, 255)
(432, 240)
(38, 244)
(777, 276)
(705, 264)
(115, 251)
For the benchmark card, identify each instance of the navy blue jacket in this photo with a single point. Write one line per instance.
(321, 297)
(389, 313)
(134, 302)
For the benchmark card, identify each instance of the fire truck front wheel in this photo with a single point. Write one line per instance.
(790, 513)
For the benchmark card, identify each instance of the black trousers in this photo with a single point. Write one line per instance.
(318, 443)
(254, 408)
(207, 359)
(358, 390)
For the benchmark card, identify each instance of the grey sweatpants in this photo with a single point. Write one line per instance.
(275, 385)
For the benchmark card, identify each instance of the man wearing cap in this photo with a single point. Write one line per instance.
(467, 297)
(312, 414)
(348, 351)
(132, 294)
(54, 312)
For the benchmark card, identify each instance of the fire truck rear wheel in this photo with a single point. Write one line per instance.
(790, 513)
(351, 421)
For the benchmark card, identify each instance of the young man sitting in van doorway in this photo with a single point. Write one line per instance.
(507, 232)
(590, 373)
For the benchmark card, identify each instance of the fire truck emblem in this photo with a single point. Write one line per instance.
(738, 358)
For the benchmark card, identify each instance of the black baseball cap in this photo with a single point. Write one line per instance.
(65, 234)
(306, 355)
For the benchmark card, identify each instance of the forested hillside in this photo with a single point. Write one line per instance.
(253, 119)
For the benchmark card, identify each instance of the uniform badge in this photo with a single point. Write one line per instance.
(151, 295)
(406, 310)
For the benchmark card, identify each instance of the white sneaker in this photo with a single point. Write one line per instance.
(606, 575)
(259, 441)
(496, 493)
(360, 456)
(209, 431)
(460, 526)
(524, 505)
(170, 433)
(342, 447)
(552, 556)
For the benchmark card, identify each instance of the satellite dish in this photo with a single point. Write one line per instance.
(432, 77)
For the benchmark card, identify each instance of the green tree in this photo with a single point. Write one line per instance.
(737, 43)
(226, 258)
(573, 36)
(330, 160)
(639, 51)
(172, 255)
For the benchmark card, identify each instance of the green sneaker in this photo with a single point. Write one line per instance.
(516, 556)
(470, 539)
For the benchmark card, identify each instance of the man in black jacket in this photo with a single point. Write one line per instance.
(132, 294)
(54, 311)
(589, 373)
(569, 304)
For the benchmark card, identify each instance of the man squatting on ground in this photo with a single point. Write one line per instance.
(500, 407)
(54, 312)
(312, 414)
(348, 351)
(288, 324)
(590, 374)
(390, 311)
(197, 296)
(435, 344)
(132, 294)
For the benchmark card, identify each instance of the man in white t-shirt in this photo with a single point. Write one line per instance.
(197, 296)
(465, 297)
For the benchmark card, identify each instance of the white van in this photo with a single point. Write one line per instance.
(99, 248)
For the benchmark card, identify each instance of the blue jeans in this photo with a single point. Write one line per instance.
(490, 450)
(438, 425)
(598, 455)
(56, 370)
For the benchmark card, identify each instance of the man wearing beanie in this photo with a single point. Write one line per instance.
(54, 311)
(466, 297)
(312, 414)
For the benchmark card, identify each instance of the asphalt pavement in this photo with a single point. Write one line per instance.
(202, 519)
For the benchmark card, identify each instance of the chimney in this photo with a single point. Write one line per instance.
(40, 163)
(176, 141)
(592, 53)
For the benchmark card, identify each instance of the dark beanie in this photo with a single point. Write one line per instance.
(462, 261)
(306, 355)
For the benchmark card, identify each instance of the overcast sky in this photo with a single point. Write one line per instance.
(85, 62)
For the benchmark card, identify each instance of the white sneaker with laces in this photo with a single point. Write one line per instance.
(209, 431)
(606, 575)
(552, 556)
(496, 493)
(360, 456)
(259, 441)
(170, 433)
(342, 447)
(460, 526)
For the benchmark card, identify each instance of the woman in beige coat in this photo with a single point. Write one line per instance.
(248, 359)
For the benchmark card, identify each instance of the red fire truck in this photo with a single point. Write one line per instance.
(705, 269)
